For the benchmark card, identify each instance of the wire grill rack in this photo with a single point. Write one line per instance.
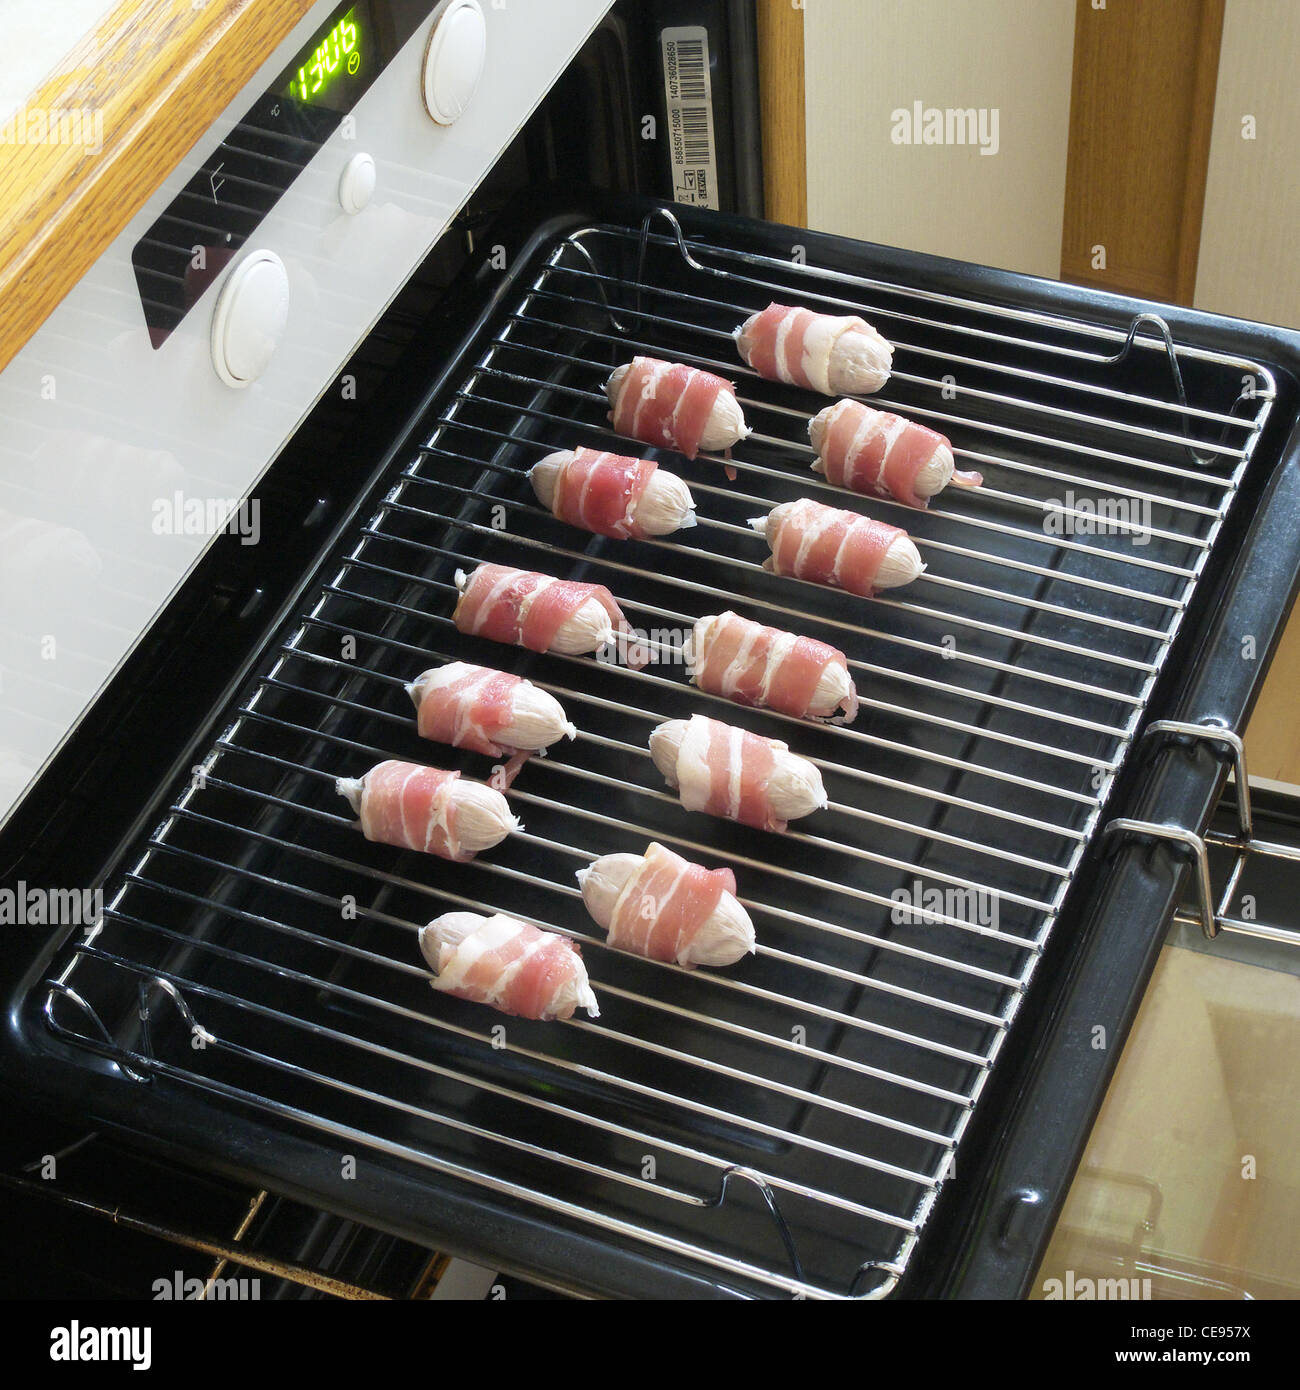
(784, 1126)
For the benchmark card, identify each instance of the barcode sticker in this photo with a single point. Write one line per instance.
(688, 96)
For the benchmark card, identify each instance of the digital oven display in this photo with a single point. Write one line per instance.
(213, 216)
(333, 72)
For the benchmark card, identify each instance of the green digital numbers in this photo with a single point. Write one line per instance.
(338, 52)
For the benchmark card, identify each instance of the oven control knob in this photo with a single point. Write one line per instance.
(453, 60)
(249, 318)
(357, 183)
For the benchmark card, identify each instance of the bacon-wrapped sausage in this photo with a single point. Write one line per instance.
(732, 773)
(612, 495)
(846, 550)
(674, 406)
(872, 451)
(536, 611)
(663, 907)
(836, 356)
(427, 809)
(756, 665)
(486, 711)
(507, 964)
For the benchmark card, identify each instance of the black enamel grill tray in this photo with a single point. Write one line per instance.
(791, 1126)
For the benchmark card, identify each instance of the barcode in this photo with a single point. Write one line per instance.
(692, 155)
(695, 134)
(690, 70)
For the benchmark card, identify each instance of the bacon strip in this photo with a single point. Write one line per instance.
(666, 404)
(469, 709)
(776, 350)
(413, 807)
(600, 491)
(664, 904)
(763, 666)
(725, 771)
(525, 608)
(825, 545)
(516, 968)
(876, 452)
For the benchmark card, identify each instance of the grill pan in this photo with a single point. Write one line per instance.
(786, 1127)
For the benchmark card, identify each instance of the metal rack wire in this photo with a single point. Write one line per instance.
(786, 1125)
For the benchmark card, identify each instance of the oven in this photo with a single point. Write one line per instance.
(247, 456)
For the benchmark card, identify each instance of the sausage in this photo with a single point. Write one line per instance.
(663, 907)
(486, 711)
(732, 773)
(836, 356)
(612, 495)
(507, 964)
(765, 667)
(427, 809)
(536, 611)
(673, 406)
(846, 550)
(876, 452)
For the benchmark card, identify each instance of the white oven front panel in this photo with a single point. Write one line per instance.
(117, 461)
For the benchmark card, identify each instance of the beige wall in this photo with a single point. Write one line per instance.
(867, 58)
(1250, 237)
